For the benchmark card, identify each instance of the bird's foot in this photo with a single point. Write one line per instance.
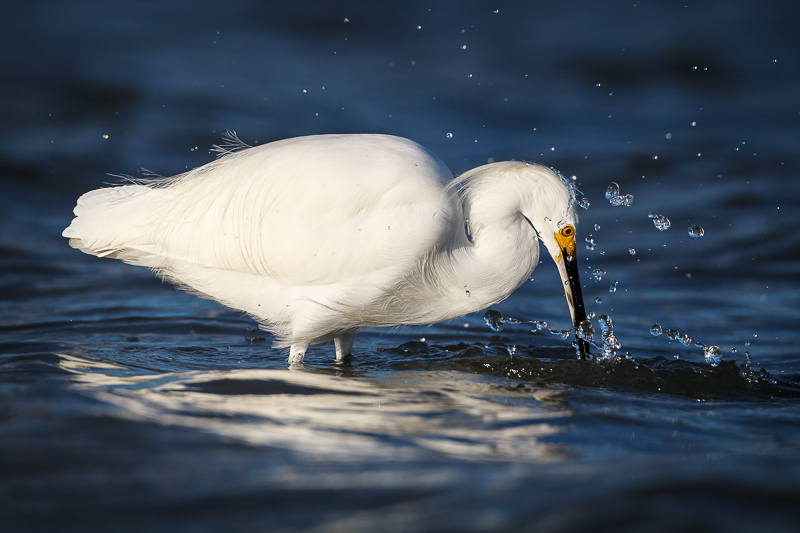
(344, 343)
(296, 354)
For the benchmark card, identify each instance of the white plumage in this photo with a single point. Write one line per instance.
(317, 237)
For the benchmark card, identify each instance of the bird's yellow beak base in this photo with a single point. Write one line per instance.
(565, 238)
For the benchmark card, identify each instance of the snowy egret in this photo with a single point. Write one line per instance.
(317, 237)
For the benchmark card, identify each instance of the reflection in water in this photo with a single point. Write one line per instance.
(399, 416)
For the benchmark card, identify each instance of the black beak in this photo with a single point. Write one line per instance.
(575, 301)
(567, 263)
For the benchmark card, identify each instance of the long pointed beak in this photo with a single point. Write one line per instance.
(567, 263)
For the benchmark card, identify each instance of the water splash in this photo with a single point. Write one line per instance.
(613, 287)
(661, 222)
(598, 273)
(583, 203)
(586, 331)
(590, 243)
(615, 198)
(712, 354)
(610, 342)
(695, 232)
(494, 320)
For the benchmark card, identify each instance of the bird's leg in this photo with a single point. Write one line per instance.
(343, 343)
(296, 353)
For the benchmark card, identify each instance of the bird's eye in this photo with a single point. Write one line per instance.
(567, 231)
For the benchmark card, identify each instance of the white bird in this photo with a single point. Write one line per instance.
(317, 237)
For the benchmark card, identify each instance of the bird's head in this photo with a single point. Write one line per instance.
(517, 194)
(550, 210)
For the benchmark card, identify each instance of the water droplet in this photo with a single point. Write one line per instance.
(463, 46)
(747, 343)
(695, 232)
(613, 287)
(685, 340)
(598, 273)
(632, 251)
(585, 331)
(389, 227)
(590, 243)
(622, 201)
(468, 294)
(605, 323)
(494, 320)
(419, 27)
(713, 355)
(672, 334)
(449, 135)
(598, 300)
(660, 221)
(539, 324)
(655, 330)
(617, 200)
(583, 203)
(597, 227)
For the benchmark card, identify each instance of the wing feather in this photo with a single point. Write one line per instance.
(307, 211)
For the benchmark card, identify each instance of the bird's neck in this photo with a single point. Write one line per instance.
(501, 258)
(473, 276)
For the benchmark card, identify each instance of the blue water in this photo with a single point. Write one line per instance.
(126, 405)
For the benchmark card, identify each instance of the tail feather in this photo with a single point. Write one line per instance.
(106, 219)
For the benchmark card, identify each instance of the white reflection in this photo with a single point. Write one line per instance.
(400, 416)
